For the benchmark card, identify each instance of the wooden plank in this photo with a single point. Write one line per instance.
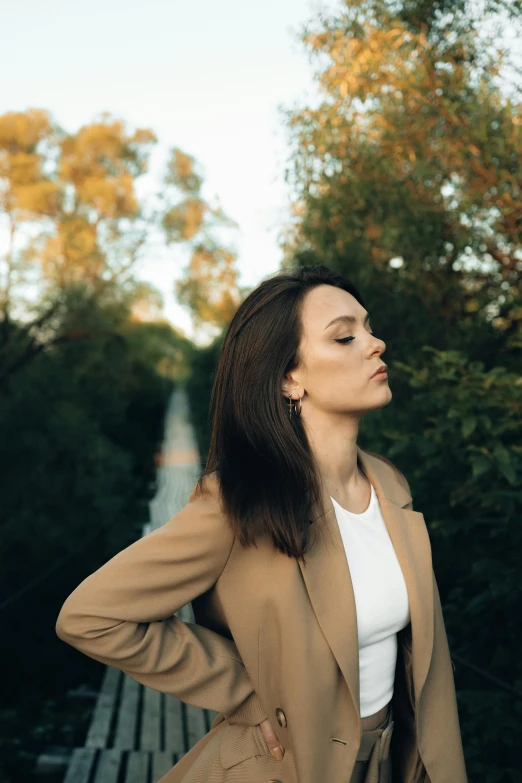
(195, 724)
(54, 761)
(162, 762)
(174, 726)
(82, 761)
(150, 735)
(124, 738)
(108, 766)
(98, 734)
(137, 767)
(195, 720)
(195, 716)
(211, 716)
(186, 614)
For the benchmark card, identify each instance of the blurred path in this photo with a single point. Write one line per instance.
(154, 730)
(179, 462)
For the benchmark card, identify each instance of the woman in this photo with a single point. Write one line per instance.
(318, 634)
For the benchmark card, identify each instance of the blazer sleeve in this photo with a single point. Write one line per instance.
(123, 614)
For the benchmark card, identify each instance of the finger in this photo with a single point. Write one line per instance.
(272, 740)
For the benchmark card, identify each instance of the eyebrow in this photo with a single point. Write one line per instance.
(351, 319)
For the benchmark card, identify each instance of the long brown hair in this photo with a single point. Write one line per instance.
(266, 470)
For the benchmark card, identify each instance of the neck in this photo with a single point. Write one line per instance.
(334, 447)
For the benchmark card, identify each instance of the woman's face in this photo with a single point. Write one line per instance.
(336, 377)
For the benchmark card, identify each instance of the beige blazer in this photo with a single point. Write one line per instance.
(273, 639)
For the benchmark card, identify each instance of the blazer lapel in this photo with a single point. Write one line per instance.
(329, 584)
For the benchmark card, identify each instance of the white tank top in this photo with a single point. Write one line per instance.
(381, 600)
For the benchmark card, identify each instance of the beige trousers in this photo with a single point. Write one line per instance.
(373, 764)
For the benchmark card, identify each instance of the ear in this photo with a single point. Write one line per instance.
(291, 386)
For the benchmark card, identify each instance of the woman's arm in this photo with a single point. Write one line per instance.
(123, 613)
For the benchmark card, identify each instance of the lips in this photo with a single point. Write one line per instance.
(380, 370)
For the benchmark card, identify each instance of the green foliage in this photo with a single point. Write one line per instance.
(410, 164)
(66, 413)
(203, 363)
(406, 177)
(26, 734)
(464, 462)
(83, 392)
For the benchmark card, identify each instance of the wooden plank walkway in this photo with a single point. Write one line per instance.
(137, 734)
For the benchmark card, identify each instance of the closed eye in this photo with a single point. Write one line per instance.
(345, 340)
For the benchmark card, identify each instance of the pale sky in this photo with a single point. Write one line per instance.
(206, 76)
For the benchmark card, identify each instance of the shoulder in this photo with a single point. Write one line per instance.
(203, 517)
(206, 488)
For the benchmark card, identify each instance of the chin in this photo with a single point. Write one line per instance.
(387, 395)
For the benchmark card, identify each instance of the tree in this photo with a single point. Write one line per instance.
(412, 158)
(71, 201)
(97, 228)
(80, 188)
(27, 192)
(406, 177)
(209, 285)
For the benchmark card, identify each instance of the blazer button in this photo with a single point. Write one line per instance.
(281, 718)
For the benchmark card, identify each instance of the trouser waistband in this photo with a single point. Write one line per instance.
(375, 744)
